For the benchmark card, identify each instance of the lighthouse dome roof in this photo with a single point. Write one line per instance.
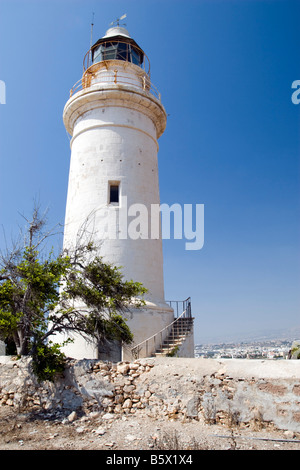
(116, 31)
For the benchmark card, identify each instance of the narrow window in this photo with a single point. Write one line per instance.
(113, 193)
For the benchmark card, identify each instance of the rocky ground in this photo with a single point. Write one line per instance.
(50, 431)
(145, 405)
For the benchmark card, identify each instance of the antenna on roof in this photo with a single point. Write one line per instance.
(117, 21)
(91, 40)
(92, 26)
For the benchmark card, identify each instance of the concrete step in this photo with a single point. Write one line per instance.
(178, 334)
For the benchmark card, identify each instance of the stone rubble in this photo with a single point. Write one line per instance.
(94, 388)
(87, 385)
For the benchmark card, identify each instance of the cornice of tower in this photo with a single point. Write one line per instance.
(119, 95)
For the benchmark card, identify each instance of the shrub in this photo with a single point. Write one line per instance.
(48, 361)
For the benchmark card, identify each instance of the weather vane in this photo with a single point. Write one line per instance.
(117, 21)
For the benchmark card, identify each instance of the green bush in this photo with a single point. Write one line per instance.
(48, 361)
(295, 351)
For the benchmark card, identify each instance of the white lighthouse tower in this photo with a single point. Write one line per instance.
(115, 118)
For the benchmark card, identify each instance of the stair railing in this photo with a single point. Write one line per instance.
(180, 306)
(157, 340)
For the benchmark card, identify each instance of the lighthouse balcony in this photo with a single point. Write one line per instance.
(116, 74)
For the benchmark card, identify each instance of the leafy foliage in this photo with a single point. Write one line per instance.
(48, 361)
(29, 291)
(75, 292)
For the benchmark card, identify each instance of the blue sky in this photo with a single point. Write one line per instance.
(224, 70)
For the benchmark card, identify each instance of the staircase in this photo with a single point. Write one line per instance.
(167, 341)
(180, 329)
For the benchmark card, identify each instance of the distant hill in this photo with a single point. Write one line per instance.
(289, 334)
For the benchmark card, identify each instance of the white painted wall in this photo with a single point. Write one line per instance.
(114, 128)
(111, 152)
(187, 348)
(2, 348)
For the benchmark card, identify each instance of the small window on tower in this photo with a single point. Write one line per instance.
(114, 193)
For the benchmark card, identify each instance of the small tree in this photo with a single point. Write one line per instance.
(94, 299)
(74, 292)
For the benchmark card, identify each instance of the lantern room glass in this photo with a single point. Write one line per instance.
(115, 50)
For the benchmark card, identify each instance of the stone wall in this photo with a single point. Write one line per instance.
(231, 392)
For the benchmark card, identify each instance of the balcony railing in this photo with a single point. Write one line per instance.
(115, 78)
(180, 306)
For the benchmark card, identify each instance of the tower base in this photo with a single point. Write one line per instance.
(143, 323)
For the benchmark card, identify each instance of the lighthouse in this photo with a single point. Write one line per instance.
(115, 117)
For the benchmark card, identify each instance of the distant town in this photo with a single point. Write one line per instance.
(267, 349)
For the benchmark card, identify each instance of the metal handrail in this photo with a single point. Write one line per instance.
(185, 314)
(180, 306)
(116, 78)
